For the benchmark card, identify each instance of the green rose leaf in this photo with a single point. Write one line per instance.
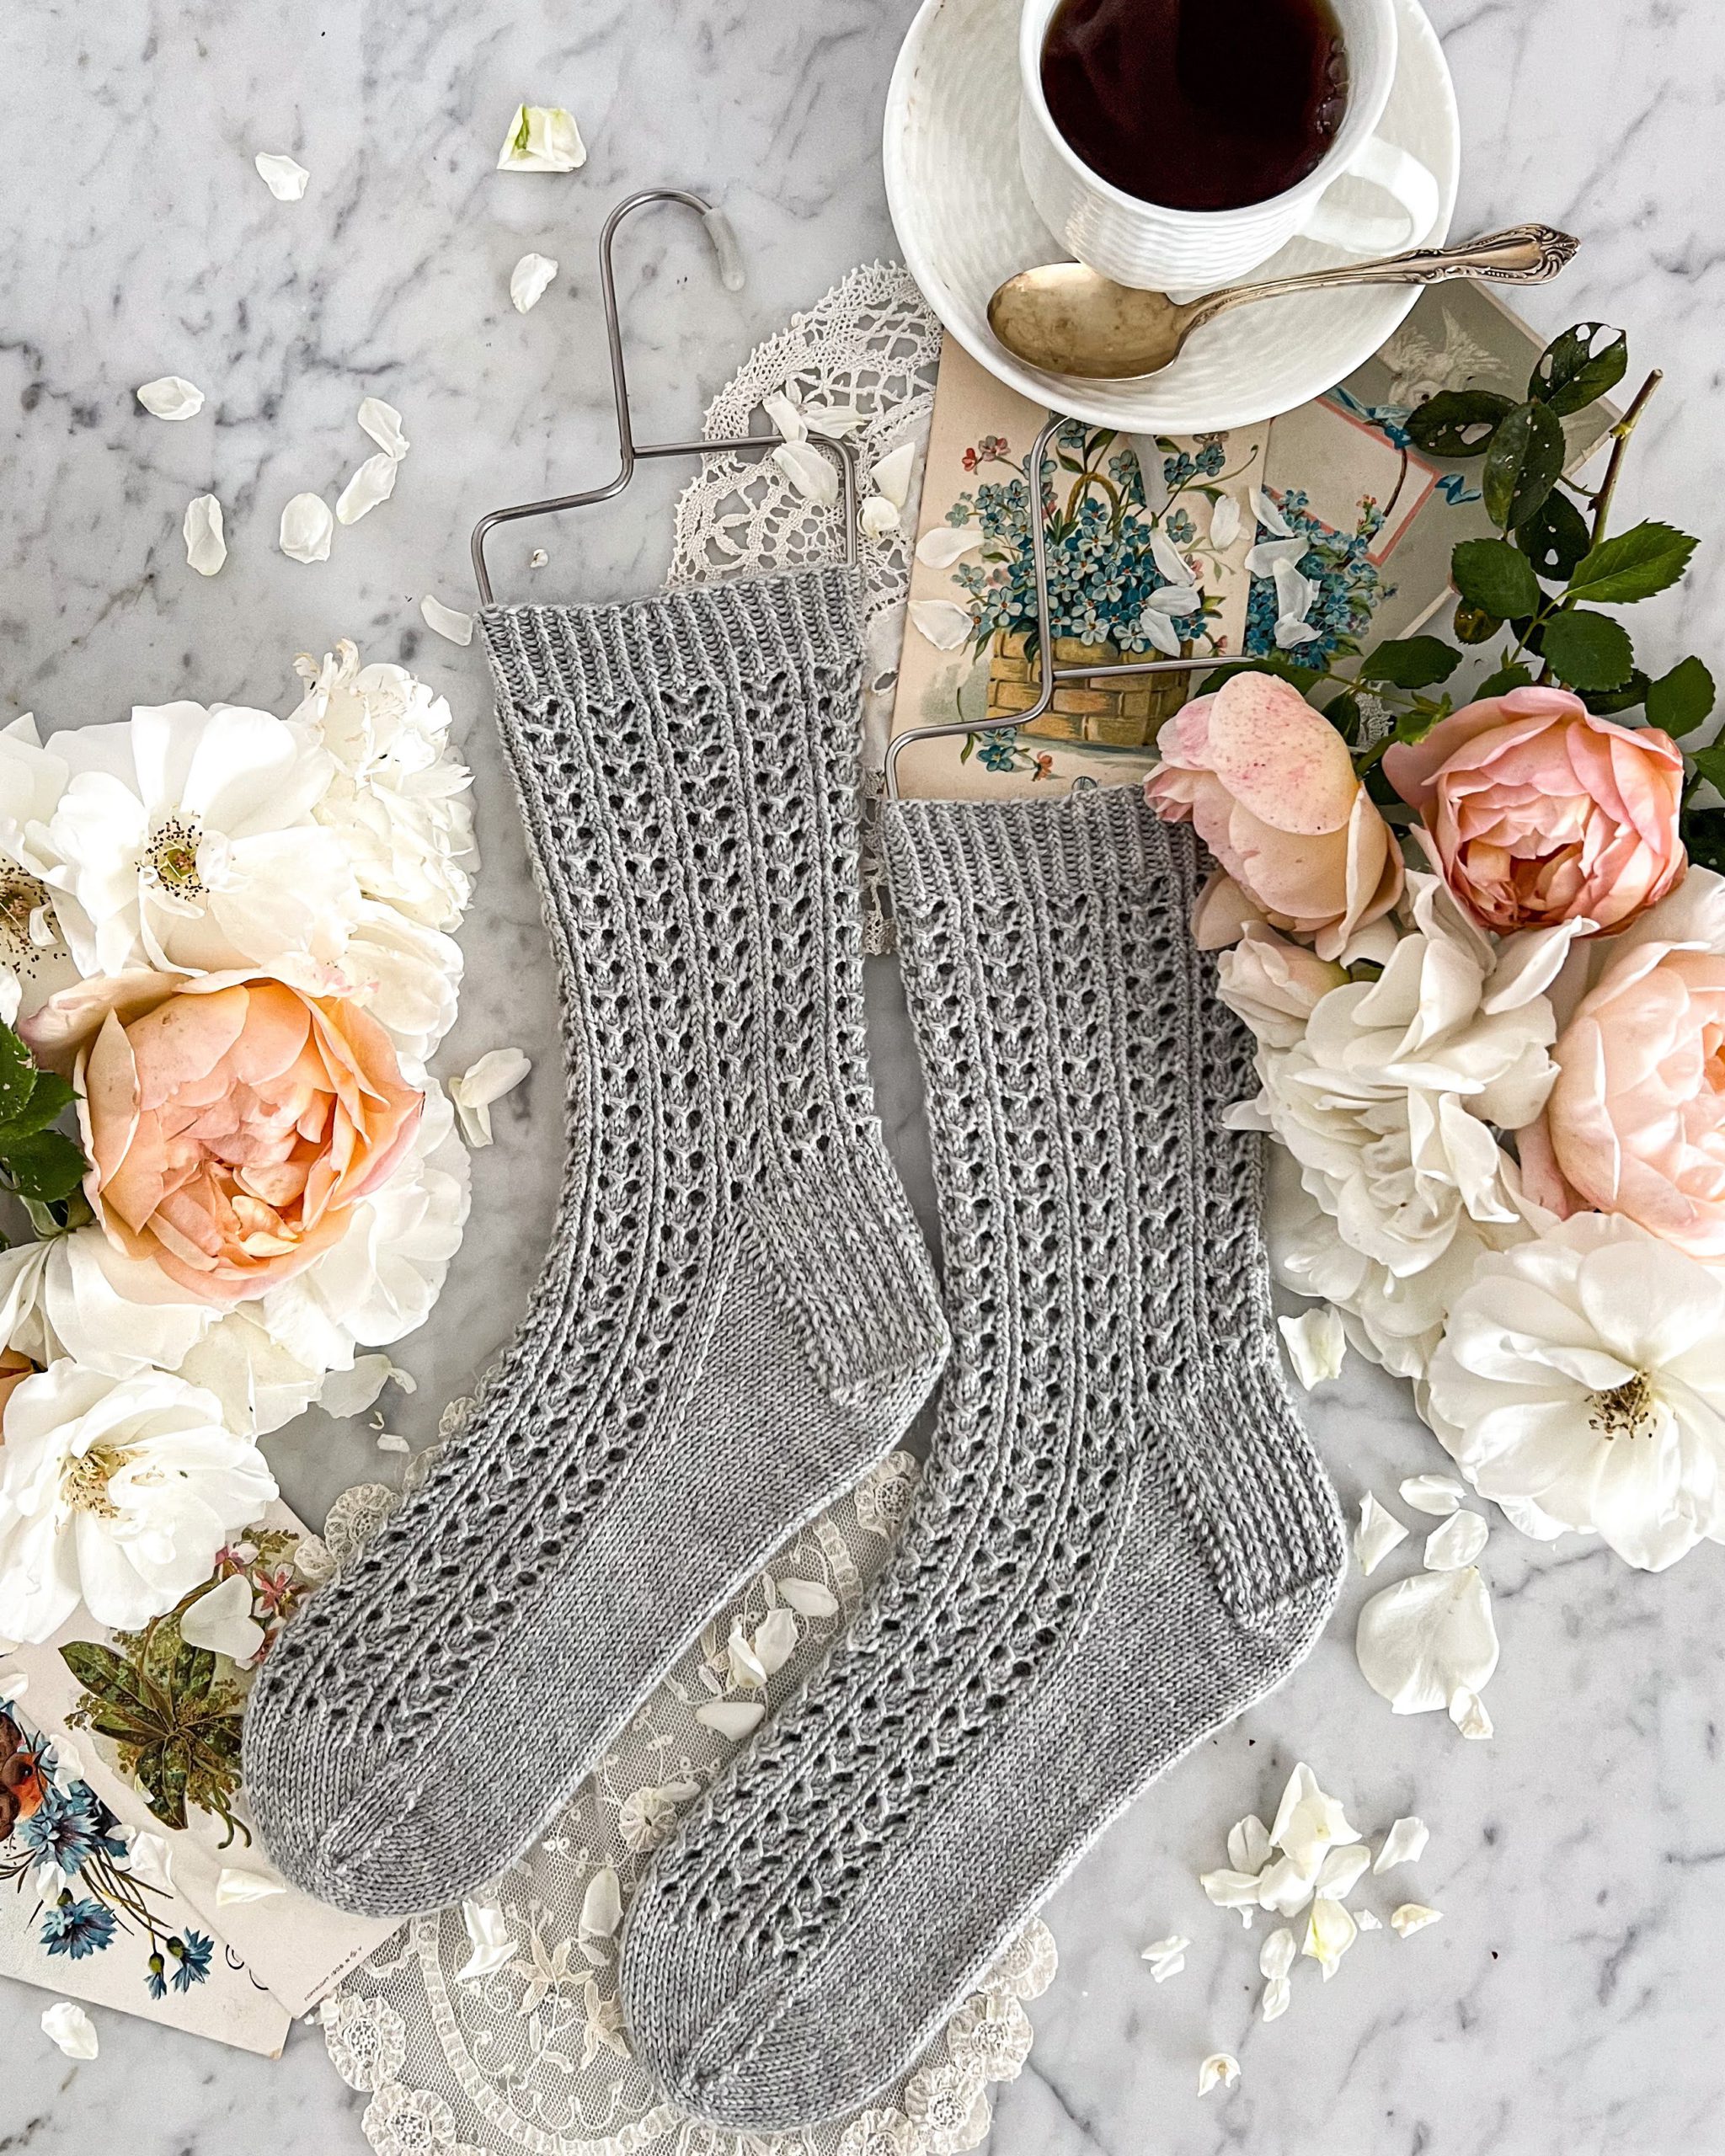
(1648, 558)
(1502, 681)
(1495, 578)
(1589, 651)
(1681, 700)
(1555, 538)
(1710, 765)
(1607, 703)
(1522, 465)
(18, 1075)
(1303, 677)
(1411, 663)
(1458, 422)
(1569, 374)
(50, 1098)
(47, 1166)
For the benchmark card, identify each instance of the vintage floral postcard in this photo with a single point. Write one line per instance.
(1319, 534)
(143, 1799)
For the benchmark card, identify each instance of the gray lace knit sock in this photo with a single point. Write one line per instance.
(738, 1315)
(1123, 1536)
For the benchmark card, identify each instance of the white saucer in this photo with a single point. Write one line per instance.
(966, 222)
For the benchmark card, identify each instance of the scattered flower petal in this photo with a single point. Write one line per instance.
(1224, 522)
(221, 1623)
(840, 421)
(1284, 1887)
(149, 1859)
(602, 1904)
(373, 482)
(206, 548)
(1233, 1889)
(171, 397)
(307, 529)
(1368, 1921)
(1219, 2066)
(1404, 1844)
(746, 1666)
(389, 1441)
(814, 476)
(1275, 1957)
(892, 474)
(1249, 1844)
(1308, 1823)
(382, 422)
(529, 280)
(1378, 1532)
(1166, 1956)
(1277, 1996)
(1424, 1640)
(947, 626)
(494, 1945)
(1467, 1710)
(1330, 1931)
(1457, 1543)
(285, 180)
(1316, 1343)
(1413, 1917)
(542, 138)
(70, 2028)
(446, 621)
(1269, 518)
(944, 544)
(782, 409)
(1438, 1495)
(877, 517)
(809, 1597)
(235, 1884)
(538, 559)
(734, 1719)
(775, 1642)
(1342, 1871)
(497, 1072)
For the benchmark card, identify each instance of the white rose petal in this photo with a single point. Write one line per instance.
(775, 1642)
(1219, 2066)
(947, 626)
(1413, 1917)
(1171, 565)
(1309, 1824)
(943, 544)
(493, 1944)
(351, 1392)
(235, 1884)
(814, 476)
(15, 1684)
(1467, 1710)
(374, 482)
(446, 621)
(1378, 1532)
(840, 421)
(602, 1904)
(538, 559)
(206, 548)
(1269, 555)
(1275, 1957)
(809, 1597)
(1438, 1495)
(1166, 1956)
(382, 422)
(285, 180)
(1158, 631)
(497, 1072)
(892, 474)
(1285, 1887)
(171, 397)
(529, 280)
(734, 1719)
(1424, 1640)
(1249, 1844)
(1233, 1889)
(782, 409)
(1277, 1996)
(307, 529)
(1368, 1921)
(149, 1859)
(1404, 1844)
(877, 517)
(1341, 1872)
(1330, 1931)
(1315, 1344)
(1269, 518)
(70, 2029)
(1457, 1543)
(1225, 523)
(389, 1440)
(221, 1621)
(745, 1665)
(542, 138)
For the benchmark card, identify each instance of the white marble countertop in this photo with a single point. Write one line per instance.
(1573, 1999)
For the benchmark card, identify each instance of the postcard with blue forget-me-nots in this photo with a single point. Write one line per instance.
(1316, 535)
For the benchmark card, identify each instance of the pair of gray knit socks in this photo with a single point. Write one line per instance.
(1123, 1536)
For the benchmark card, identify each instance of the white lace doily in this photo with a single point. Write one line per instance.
(527, 2050)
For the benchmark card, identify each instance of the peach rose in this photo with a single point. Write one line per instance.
(1636, 1121)
(231, 1120)
(1539, 813)
(1268, 785)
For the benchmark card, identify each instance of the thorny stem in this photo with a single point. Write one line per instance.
(1620, 441)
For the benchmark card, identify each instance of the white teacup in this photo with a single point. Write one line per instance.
(1186, 251)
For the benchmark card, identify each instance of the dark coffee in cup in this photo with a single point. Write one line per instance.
(1197, 105)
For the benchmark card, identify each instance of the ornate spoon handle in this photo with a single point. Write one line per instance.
(1525, 254)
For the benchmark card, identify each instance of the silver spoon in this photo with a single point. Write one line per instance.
(1067, 319)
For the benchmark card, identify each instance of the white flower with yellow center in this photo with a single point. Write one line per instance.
(119, 1491)
(1580, 1385)
(185, 839)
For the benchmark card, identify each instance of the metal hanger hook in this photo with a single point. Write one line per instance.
(729, 260)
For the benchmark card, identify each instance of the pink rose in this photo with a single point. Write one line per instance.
(1636, 1121)
(1269, 787)
(1540, 812)
(231, 1121)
